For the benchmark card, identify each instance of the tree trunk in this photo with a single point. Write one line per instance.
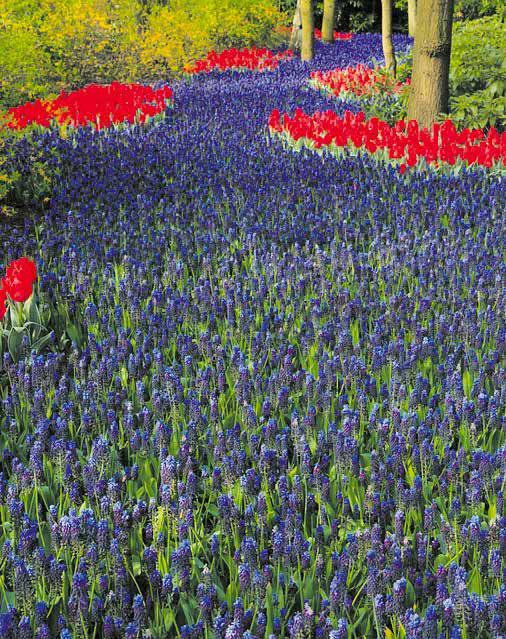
(386, 36)
(329, 15)
(429, 93)
(412, 17)
(307, 15)
(296, 37)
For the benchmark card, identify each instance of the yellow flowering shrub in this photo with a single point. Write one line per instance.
(91, 41)
(49, 45)
(183, 32)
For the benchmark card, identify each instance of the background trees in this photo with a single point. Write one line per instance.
(49, 45)
(429, 92)
(471, 84)
(296, 36)
(329, 16)
(386, 36)
(412, 17)
(307, 15)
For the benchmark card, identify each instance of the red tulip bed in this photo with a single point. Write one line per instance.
(286, 31)
(356, 82)
(249, 59)
(253, 59)
(100, 106)
(337, 35)
(404, 143)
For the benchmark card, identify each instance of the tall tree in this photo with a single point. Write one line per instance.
(429, 92)
(307, 15)
(296, 37)
(412, 17)
(386, 36)
(329, 15)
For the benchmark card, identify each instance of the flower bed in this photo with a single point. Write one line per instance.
(404, 142)
(337, 35)
(272, 405)
(358, 81)
(253, 59)
(97, 105)
(286, 31)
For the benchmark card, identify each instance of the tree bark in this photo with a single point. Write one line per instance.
(296, 37)
(329, 15)
(412, 17)
(307, 15)
(386, 36)
(429, 92)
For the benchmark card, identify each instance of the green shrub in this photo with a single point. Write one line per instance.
(474, 9)
(479, 110)
(478, 73)
(478, 59)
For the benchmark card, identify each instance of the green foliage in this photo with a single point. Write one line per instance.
(26, 175)
(4, 175)
(474, 9)
(384, 104)
(478, 59)
(49, 45)
(23, 332)
(8, 177)
(479, 110)
(478, 73)
(477, 78)
(361, 22)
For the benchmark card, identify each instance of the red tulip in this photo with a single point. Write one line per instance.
(404, 141)
(337, 35)
(96, 105)
(253, 59)
(23, 268)
(19, 279)
(359, 80)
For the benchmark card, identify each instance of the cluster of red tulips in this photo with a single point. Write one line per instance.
(358, 81)
(98, 105)
(337, 35)
(17, 284)
(405, 142)
(253, 59)
(285, 31)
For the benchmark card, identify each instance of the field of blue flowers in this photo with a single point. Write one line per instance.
(282, 410)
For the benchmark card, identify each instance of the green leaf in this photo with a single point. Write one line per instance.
(14, 343)
(15, 321)
(440, 560)
(136, 565)
(467, 383)
(474, 583)
(34, 316)
(410, 592)
(270, 609)
(73, 333)
(42, 341)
